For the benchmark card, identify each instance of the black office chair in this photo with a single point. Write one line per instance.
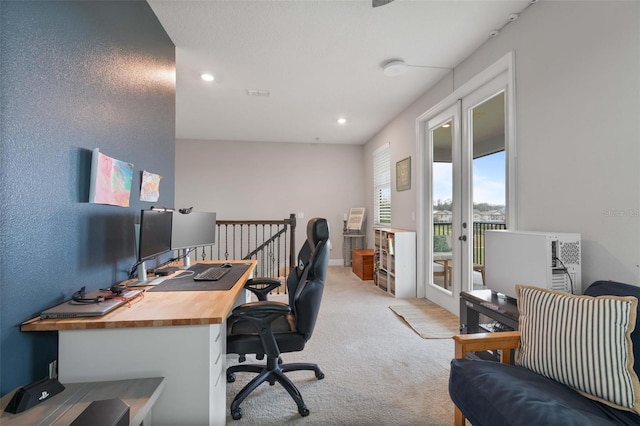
(261, 287)
(271, 328)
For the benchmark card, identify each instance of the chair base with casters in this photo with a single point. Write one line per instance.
(269, 322)
(272, 372)
(269, 328)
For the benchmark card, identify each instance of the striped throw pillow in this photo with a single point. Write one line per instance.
(581, 341)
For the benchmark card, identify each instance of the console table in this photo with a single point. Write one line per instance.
(179, 335)
(351, 242)
(482, 311)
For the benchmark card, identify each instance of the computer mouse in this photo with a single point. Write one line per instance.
(226, 265)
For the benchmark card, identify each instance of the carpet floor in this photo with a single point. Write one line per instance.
(378, 371)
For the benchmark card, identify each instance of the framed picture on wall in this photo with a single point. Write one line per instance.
(403, 174)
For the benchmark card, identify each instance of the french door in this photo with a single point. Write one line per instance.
(443, 190)
(466, 152)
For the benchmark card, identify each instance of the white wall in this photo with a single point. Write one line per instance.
(577, 128)
(249, 180)
(400, 133)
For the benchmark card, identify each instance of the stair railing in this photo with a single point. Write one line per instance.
(270, 242)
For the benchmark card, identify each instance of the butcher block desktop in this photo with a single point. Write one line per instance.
(179, 335)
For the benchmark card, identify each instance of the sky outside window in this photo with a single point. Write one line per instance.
(488, 180)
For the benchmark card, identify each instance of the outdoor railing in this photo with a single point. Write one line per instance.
(479, 228)
(270, 242)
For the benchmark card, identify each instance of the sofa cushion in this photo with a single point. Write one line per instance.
(613, 288)
(493, 394)
(581, 341)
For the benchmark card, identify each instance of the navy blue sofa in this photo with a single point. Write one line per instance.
(497, 393)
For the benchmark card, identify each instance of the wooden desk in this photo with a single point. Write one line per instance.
(179, 335)
(65, 407)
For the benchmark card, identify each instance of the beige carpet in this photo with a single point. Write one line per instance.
(377, 370)
(427, 319)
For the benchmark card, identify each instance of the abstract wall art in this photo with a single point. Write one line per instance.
(110, 180)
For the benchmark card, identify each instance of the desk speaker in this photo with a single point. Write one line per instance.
(107, 412)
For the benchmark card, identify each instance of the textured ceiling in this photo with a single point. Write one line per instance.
(319, 60)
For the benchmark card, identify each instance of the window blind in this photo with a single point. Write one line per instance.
(382, 185)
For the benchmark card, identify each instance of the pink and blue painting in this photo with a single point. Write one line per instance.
(110, 180)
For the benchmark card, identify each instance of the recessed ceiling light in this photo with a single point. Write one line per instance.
(446, 125)
(342, 120)
(207, 77)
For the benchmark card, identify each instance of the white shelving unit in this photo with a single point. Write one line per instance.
(395, 261)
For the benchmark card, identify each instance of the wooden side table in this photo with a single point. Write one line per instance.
(362, 263)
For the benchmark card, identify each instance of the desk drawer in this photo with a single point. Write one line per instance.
(218, 350)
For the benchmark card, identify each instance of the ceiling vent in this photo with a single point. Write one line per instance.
(258, 92)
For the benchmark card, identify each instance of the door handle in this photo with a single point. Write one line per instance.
(462, 238)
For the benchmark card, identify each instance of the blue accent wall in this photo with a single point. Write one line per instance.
(74, 75)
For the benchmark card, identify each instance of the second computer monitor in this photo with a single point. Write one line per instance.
(192, 230)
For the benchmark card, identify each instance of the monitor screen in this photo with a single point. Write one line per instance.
(155, 233)
(193, 229)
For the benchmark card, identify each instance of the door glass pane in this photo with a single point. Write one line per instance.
(489, 177)
(442, 190)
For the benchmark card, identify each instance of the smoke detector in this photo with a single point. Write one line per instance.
(394, 68)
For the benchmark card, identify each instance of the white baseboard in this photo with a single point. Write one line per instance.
(336, 262)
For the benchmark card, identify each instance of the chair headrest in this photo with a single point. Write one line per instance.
(317, 230)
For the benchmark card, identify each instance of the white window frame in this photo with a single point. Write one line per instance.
(382, 185)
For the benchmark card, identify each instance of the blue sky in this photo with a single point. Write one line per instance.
(488, 180)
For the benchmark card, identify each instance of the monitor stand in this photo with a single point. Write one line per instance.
(186, 262)
(143, 280)
(142, 272)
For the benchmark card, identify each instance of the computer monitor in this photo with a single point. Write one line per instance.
(192, 230)
(154, 237)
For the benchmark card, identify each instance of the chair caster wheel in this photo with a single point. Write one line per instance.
(236, 414)
(231, 377)
(320, 375)
(304, 411)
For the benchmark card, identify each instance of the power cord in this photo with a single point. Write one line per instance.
(566, 271)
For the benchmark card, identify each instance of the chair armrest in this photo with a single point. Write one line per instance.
(503, 340)
(261, 315)
(261, 286)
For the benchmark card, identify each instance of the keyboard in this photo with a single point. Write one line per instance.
(212, 274)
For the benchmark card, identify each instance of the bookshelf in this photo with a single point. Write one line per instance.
(395, 261)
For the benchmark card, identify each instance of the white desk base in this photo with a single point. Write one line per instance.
(190, 358)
